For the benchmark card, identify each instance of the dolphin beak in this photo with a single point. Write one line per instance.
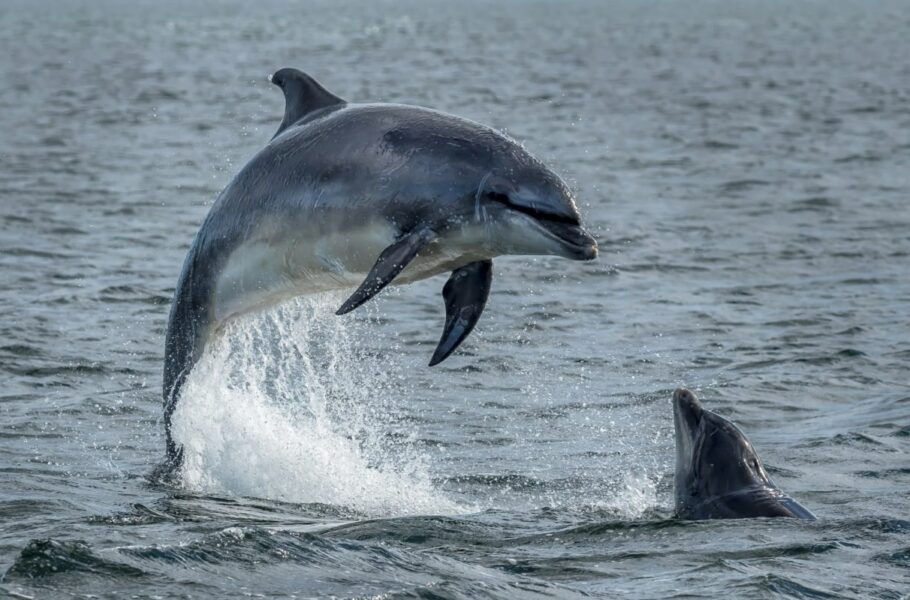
(687, 412)
(576, 242)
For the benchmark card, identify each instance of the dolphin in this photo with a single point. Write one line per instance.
(364, 195)
(718, 473)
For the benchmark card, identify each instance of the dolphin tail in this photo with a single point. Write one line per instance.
(168, 471)
(187, 330)
(390, 263)
(465, 294)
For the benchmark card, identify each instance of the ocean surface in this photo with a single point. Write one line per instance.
(744, 165)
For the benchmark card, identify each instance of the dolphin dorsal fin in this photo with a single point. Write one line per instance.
(302, 95)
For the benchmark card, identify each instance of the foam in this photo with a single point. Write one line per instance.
(637, 494)
(288, 405)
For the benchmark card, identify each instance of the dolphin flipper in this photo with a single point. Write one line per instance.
(466, 294)
(390, 263)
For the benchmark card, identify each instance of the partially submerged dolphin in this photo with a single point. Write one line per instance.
(365, 194)
(718, 473)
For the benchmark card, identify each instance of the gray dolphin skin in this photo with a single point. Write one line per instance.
(348, 195)
(718, 473)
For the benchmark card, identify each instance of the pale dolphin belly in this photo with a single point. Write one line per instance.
(269, 269)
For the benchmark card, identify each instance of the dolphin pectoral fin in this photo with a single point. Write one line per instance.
(466, 294)
(389, 264)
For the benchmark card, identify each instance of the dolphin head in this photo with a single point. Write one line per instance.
(713, 457)
(528, 209)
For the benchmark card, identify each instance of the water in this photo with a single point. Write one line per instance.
(746, 167)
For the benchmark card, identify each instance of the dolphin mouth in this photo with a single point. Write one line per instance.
(558, 223)
(572, 237)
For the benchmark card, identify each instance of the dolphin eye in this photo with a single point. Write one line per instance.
(498, 197)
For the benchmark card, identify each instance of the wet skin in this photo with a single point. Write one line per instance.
(370, 194)
(718, 473)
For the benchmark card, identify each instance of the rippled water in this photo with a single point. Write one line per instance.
(746, 168)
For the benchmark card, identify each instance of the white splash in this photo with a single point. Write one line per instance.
(289, 406)
(634, 497)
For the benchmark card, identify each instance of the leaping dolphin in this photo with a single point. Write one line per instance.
(718, 473)
(365, 194)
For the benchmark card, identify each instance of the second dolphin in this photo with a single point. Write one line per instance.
(718, 473)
